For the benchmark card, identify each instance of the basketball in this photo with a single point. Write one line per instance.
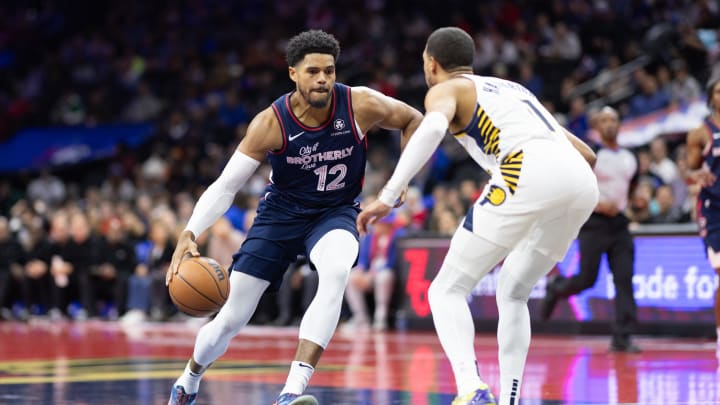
(200, 287)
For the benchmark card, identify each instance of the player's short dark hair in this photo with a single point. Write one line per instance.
(451, 47)
(312, 41)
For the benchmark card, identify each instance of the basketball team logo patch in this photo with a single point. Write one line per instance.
(495, 196)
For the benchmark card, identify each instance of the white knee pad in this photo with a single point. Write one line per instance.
(333, 256)
(521, 271)
(510, 288)
(449, 280)
(214, 337)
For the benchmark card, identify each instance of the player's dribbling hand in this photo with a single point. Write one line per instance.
(185, 246)
(372, 213)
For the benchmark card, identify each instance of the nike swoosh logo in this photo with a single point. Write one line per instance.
(290, 138)
(304, 365)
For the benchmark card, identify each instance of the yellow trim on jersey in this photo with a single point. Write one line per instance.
(510, 169)
(489, 132)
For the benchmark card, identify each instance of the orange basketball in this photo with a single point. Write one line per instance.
(200, 287)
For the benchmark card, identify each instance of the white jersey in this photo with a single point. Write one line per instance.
(614, 170)
(507, 116)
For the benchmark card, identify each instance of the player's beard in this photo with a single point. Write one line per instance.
(314, 98)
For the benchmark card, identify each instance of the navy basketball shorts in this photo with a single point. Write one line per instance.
(278, 236)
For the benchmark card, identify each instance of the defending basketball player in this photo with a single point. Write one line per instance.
(703, 158)
(541, 191)
(315, 140)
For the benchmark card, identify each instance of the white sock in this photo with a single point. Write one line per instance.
(520, 271)
(467, 378)
(190, 380)
(298, 378)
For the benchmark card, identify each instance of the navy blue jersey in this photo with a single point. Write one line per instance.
(318, 167)
(712, 160)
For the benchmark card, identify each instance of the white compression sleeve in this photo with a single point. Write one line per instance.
(220, 194)
(418, 150)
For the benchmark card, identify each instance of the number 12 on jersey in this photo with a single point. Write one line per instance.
(338, 171)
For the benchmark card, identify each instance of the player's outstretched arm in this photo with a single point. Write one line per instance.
(440, 103)
(440, 106)
(372, 108)
(376, 109)
(262, 135)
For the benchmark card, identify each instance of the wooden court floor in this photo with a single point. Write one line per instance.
(97, 362)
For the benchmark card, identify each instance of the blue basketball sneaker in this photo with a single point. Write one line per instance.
(295, 399)
(178, 396)
(481, 396)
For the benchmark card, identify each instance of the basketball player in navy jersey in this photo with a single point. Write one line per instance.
(541, 191)
(315, 140)
(703, 158)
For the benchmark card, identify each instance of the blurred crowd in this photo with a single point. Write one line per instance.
(95, 239)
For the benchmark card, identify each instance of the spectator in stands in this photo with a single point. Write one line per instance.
(446, 222)
(232, 112)
(660, 162)
(639, 208)
(13, 285)
(47, 188)
(529, 79)
(9, 195)
(666, 212)
(38, 278)
(183, 205)
(109, 279)
(486, 52)
(415, 208)
(58, 266)
(69, 109)
(134, 222)
(684, 88)
(611, 83)
(564, 44)
(145, 106)
(81, 257)
(645, 174)
(470, 190)
(664, 79)
(651, 97)
(147, 293)
(578, 121)
(117, 187)
(375, 272)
